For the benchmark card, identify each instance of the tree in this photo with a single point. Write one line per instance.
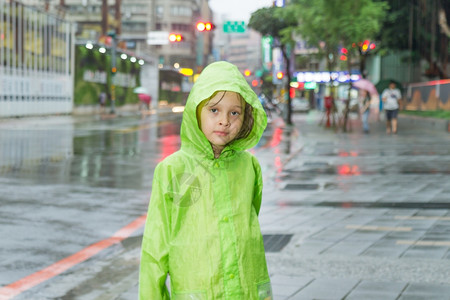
(316, 27)
(421, 27)
(272, 21)
(330, 24)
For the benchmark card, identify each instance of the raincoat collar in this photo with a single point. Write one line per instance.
(219, 76)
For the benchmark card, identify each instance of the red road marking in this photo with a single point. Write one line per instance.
(21, 285)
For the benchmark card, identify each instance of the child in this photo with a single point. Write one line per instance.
(202, 224)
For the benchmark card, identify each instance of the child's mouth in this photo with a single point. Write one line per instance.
(221, 133)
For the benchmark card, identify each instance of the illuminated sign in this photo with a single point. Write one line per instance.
(310, 85)
(324, 77)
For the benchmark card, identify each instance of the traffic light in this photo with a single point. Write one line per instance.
(344, 53)
(280, 75)
(367, 46)
(175, 37)
(205, 26)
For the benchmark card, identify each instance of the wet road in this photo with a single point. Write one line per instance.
(69, 182)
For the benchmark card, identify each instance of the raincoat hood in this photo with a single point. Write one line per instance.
(219, 76)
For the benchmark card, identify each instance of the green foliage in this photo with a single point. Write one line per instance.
(412, 25)
(439, 114)
(328, 24)
(276, 22)
(87, 93)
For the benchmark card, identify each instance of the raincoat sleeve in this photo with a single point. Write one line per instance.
(155, 245)
(257, 195)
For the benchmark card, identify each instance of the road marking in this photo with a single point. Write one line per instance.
(422, 218)
(15, 288)
(424, 243)
(378, 228)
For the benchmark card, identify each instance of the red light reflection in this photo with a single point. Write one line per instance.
(348, 170)
(169, 144)
(350, 153)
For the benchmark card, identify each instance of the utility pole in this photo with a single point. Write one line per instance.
(113, 72)
(104, 17)
(118, 16)
(113, 35)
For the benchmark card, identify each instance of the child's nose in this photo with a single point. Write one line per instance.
(225, 121)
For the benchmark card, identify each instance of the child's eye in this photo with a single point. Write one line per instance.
(213, 110)
(235, 113)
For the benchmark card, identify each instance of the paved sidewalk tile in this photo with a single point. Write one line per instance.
(330, 289)
(285, 286)
(426, 291)
(376, 290)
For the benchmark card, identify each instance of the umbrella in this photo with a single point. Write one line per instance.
(145, 98)
(384, 84)
(365, 84)
(141, 90)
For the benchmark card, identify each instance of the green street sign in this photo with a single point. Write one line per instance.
(234, 27)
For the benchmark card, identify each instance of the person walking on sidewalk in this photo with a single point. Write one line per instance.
(202, 224)
(365, 110)
(391, 97)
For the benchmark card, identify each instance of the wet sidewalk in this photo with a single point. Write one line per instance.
(358, 216)
(344, 216)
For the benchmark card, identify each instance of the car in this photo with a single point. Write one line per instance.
(300, 105)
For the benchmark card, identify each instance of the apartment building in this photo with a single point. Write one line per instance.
(132, 20)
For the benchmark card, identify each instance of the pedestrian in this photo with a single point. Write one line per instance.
(202, 224)
(144, 101)
(365, 110)
(102, 101)
(391, 98)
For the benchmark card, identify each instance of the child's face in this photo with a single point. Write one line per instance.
(221, 118)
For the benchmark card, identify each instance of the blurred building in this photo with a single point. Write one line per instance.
(244, 49)
(132, 20)
(181, 16)
(240, 48)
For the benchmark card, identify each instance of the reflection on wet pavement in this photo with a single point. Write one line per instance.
(110, 153)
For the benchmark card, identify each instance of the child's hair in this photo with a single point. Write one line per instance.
(247, 123)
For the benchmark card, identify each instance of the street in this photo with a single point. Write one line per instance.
(344, 215)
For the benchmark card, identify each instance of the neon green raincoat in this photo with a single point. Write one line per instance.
(202, 226)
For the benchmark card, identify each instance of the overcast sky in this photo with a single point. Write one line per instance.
(237, 10)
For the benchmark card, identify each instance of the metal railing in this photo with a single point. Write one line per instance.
(36, 61)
